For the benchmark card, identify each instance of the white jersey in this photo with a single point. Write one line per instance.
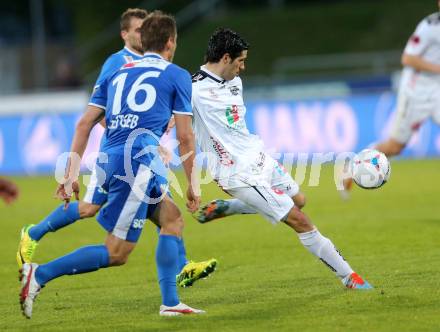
(220, 127)
(425, 42)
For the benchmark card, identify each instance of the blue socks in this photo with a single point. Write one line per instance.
(182, 255)
(56, 220)
(167, 260)
(83, 260)
(182, 252)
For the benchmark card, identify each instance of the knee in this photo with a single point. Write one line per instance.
(173, 227)
(117, 258)
(299, 200)
(87, 210)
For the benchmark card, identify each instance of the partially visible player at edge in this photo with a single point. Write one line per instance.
(419, 92)
(96, 197)
(236, 158)
(8, 191)
(137, 102)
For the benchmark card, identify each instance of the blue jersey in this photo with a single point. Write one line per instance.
(142, 95)
(114, 62)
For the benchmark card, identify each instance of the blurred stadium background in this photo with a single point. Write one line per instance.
(321, 75)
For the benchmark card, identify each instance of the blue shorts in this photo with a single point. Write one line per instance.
(95, 195)
(130, 199)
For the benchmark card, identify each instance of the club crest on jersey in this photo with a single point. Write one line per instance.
(234, 90)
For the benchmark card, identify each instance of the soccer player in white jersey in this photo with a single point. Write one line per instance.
(236, 158)
(419, 92)
(96, 197)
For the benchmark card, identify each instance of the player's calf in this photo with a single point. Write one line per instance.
(298, 220)
(168, 216)
(324, 249)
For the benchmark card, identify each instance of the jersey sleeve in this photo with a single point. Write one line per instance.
(110, 65)
(99, 95)
(182, 98)
(419, 40)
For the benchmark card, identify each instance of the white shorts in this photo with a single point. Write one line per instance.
(412, 110)
(269, 193)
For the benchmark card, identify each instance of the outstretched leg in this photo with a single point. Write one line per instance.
(220, 208)
(57, 219)
(324, 249)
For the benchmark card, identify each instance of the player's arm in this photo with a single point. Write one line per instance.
(185, 136)
(81, 136)
(110, 65)
(90, 118)
(183, 118)
(422, 38)
(420, 64)
(102, 123)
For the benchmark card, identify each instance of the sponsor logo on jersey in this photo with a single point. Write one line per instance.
(224, 156)
(212, 93)
(232, 114)
(138, 223)
(101, 190)
(235, 122)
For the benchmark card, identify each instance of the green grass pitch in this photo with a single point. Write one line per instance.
(265, 281)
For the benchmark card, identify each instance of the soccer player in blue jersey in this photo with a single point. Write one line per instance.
(137, 102)
(96, 197)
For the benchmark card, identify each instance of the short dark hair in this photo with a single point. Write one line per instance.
(223, 41)
(128, 14)
(156, 30)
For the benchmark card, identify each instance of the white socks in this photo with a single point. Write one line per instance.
(324, 249)
(238, 207)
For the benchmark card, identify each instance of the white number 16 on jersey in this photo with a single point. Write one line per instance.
(137, 86)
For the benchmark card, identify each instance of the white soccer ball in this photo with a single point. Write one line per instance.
(370, 169)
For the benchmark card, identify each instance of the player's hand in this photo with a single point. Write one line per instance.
(193, 200)
(171, 124)
(64, 192)
(8, 191)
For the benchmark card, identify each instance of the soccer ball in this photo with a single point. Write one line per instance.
(370, 169)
